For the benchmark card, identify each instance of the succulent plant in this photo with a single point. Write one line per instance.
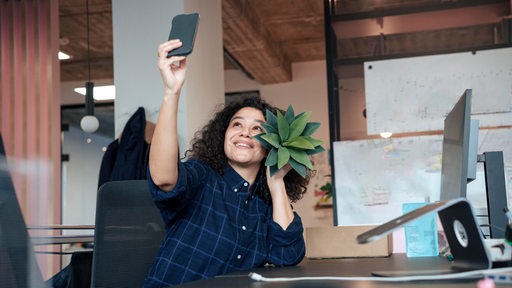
(288, 139)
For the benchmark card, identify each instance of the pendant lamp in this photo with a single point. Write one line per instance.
(89, 122)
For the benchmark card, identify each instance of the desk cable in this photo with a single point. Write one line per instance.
(497, 274)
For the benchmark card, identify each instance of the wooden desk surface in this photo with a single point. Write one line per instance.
(347, 267)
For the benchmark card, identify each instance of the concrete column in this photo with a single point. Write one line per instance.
(138, 28)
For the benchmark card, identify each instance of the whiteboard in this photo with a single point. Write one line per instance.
(415, 94)
(373, 178)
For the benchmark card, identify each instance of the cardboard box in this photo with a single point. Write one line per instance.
(340, 242)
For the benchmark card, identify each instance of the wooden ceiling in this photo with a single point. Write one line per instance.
(264, 37)
(73, 40)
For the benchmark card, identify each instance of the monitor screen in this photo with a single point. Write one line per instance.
(459, 156)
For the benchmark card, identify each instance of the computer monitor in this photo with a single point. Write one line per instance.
(17, 259)
(460, 142)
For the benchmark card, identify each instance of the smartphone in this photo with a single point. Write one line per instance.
(184, 27)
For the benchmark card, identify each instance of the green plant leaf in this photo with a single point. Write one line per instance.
(301, 169)
(301, 156)
(271, 119)
(299, 143)
(273, 139)
(310, 128)
(290, 114)
(282, 157)
(300, 114)
(314, 141)
(326, 187)
(317, 149)
(269, 128)
(271, 157)
(298, 125)
(263, 142)
(273, 170)
(282, 126)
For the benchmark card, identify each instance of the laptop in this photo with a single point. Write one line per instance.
(17, 258)
(462, 233)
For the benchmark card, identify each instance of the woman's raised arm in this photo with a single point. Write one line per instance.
(164, 155)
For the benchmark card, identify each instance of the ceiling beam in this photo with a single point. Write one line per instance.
(247, 40)
(378, 9)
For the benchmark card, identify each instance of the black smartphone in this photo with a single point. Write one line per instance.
(184, 27)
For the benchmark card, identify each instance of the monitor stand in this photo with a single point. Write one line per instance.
(496, 192)
(465, 239)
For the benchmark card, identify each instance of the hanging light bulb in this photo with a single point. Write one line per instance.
(89, 122)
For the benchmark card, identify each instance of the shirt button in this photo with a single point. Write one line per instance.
(236, 190)
(246, 202)
(244, 228)
(239, 257)
(245, 184)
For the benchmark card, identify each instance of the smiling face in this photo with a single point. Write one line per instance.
(242, 150)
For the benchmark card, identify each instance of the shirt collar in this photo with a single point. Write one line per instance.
(236, 183)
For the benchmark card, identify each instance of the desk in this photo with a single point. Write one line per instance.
(61, 239)
(351, 267)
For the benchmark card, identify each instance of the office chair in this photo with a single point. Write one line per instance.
(128, 233)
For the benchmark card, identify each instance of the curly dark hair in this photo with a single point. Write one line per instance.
(208, 146)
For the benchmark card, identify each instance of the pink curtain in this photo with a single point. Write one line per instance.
(30, 110)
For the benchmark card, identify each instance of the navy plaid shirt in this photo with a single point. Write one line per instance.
(216, 225)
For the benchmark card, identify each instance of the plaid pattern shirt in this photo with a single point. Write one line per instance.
(215, 225)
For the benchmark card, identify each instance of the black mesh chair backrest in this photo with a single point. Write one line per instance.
(128, 233)
(18, 266)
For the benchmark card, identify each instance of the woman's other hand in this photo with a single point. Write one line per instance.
(277, 180)
(282, 210)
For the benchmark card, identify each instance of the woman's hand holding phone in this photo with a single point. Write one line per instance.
(173, 69)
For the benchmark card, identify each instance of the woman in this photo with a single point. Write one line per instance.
(223, 212)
